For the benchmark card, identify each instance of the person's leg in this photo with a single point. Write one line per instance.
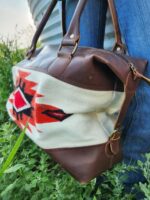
(92, 25)
(135, 27)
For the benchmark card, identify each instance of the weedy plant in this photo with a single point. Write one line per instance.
(145, 187)
(27, 173)
(9, 56)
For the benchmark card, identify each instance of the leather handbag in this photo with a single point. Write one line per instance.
(75, 102)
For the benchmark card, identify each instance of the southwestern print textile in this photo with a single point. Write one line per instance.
(57, 118)
(23, 104)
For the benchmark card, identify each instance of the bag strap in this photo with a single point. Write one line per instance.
(129, 89)
(119, 46)
(73, 30)
(73, 34)
(42, 24)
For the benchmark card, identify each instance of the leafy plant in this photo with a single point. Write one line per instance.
(145, 187)
(112, 186)
(9, 56)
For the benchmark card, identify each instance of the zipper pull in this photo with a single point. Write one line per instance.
(134, 71)
(138, 74)
(147, 80)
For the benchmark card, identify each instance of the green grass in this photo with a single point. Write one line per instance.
(27, 173)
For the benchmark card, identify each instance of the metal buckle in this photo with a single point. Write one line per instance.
(115, 135)
(74, 49)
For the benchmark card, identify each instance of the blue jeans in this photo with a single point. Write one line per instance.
(92, 24)
(135, 27)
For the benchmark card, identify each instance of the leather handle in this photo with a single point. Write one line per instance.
(40, 29)
(73, 34)
(119, 46)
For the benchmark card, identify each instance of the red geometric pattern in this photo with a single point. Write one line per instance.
(24, 107)
(20, 102)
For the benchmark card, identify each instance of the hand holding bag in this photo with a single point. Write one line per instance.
(75, 103)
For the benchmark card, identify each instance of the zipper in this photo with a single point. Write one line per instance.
(130, 64)
(135, 72)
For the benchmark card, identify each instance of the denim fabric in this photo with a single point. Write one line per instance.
(92, 24)
(135, 27)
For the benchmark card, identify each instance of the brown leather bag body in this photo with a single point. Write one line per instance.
(95, 87)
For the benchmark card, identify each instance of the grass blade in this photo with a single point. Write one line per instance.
(12, 153)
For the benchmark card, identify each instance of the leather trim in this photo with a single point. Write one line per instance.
(92, 68)
(85, 163)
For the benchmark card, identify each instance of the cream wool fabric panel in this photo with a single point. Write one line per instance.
(94, 113)
(79, 130)
(71, 99)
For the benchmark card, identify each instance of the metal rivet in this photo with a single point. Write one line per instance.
(118, 48)
(71, 36)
